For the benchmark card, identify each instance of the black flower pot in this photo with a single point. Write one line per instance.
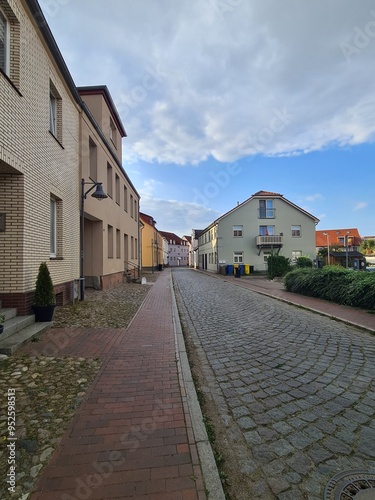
(44, 314)
(1, 329)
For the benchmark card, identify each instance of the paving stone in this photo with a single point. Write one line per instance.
(246, 423)
(282, 447)
(367, 441)
(282, 427)
(278, 484)
(319, 454)
(304, 381)
(336, 446)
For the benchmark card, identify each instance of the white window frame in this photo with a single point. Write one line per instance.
(237, 257)
(53, 228)
(238, 231)
(268, 210)
(6, 50)
(266, 254)
(296, 231)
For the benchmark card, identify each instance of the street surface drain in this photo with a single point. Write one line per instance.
(351, 484)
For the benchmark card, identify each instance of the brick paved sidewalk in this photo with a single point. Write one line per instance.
(132, 436)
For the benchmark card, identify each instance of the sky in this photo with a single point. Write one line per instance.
(223, 98)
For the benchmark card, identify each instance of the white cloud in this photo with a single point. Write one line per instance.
(360, 205)
(176, 216)
(314, 197)
(199, 78)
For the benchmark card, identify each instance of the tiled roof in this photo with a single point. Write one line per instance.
(172, 237)
(148, 219)
(266, 193)
(335, 234)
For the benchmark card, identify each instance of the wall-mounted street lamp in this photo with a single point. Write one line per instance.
(326, 234)
(99, 194)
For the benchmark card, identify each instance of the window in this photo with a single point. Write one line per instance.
(125, 198)
(135, 248)
(117, 188)
(56, 236)
(296, 254)
(126, 248)
(135, 210)
(110, 242)
(237, 231)
(237, 257)
(296, 231)
(109, 181)
(53, 228)
(132, 247)
(266, 254)
(266, 209)
(266, 230)
(118, 244)
(93, 160)
(10, 43)
(4, 44)
(55, 113)
(131, 206)
(112, 132)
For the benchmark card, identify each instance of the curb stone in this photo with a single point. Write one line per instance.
(208, 464)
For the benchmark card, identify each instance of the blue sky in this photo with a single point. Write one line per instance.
(223, 98)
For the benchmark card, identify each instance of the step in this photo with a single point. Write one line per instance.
(9, 312)
(15, 324)
(10, 344)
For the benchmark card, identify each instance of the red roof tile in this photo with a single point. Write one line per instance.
(266, 193)
(334, 235)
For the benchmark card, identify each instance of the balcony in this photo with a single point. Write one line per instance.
(275, 241)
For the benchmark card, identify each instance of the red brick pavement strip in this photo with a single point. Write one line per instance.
(350, 315)
(131, 437)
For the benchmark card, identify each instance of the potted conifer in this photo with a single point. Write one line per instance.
(44, 297)
(2, 319)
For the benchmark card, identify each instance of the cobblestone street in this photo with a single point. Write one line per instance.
(294, 390)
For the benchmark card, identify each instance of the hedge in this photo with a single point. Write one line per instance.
(334, 283)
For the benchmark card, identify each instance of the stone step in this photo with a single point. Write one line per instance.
(9, 312)
(10, 344)
(15, 324)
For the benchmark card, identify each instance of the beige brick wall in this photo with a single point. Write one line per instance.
(34, 166)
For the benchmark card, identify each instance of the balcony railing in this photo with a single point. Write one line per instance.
(269, 241)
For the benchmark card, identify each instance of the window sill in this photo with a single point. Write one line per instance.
(10, 81)
(56, 139)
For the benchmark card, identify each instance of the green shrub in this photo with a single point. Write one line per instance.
(304, 262)
(278, 266)
(44, 293)
(334, 283)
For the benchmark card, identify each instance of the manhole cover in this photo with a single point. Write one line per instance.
(352, 484)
